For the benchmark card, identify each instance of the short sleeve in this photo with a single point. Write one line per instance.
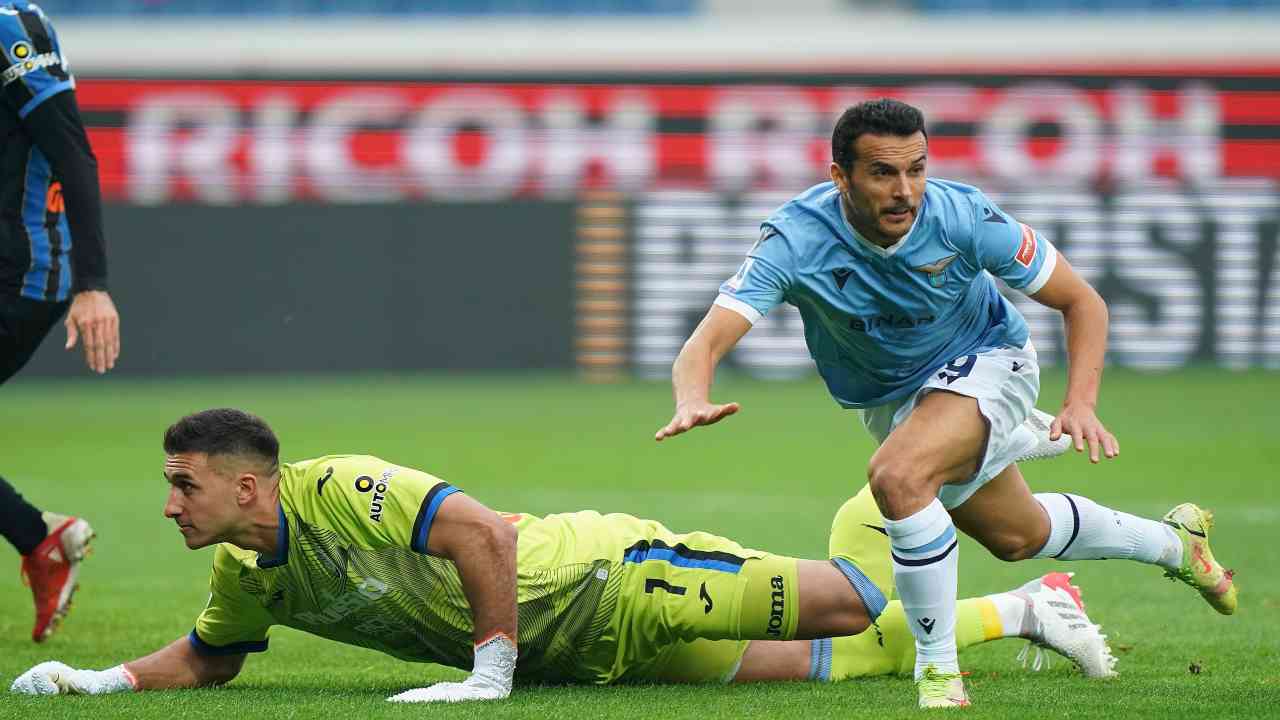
(763, 279)
(375, 503)
(234, 622)
(35, 68)
(1010, 250)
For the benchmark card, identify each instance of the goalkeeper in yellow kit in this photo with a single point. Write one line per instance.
(365, 552)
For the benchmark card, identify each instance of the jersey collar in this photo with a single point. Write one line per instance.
(883, 252)
(282, 544)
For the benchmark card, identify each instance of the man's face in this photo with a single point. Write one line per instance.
(202, 500)
(885, 186)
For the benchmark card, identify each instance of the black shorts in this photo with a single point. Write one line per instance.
(24, 323)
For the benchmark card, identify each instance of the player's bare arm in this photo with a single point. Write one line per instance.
(695, 368)
(1084, 315)
(179, 665)
(483, 548)
(175, 666)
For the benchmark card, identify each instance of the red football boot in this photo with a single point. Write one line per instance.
(51, 570)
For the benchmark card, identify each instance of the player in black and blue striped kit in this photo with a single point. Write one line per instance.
(52, 261)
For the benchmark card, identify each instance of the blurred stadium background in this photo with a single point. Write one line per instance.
(511, 184)
(330, 212)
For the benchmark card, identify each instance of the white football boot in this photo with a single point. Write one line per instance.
(1038, 423)
(1055, 619)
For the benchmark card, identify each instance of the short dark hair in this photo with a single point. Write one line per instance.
(885, 116)
(223, 431)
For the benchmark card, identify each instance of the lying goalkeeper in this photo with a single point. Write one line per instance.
(364, 552)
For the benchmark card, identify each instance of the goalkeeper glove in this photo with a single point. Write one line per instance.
(55, 678)
(495, 665)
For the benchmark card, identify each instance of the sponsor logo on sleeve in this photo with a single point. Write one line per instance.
(28, 64)
(1026, 251)
(365, 483)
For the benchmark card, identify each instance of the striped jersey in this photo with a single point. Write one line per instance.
(35, 238)
(878, 320)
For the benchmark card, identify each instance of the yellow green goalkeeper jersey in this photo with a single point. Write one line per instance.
(353, 567)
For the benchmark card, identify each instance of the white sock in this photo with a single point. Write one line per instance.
(1081, 529)
(926, 558)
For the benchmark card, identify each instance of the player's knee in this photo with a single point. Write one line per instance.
(837, 619)
(1012, 547)
(897, 490)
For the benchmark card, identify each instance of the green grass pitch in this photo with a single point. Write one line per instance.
(770, 477)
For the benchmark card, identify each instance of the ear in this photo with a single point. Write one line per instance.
(246, 488)
(837, 177)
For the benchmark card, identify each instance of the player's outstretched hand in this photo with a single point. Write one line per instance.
(94, 316)
(55, 678)
(495, 666)
(1083, 425)
(692, 415)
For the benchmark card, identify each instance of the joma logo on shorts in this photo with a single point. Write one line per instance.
(778, 604)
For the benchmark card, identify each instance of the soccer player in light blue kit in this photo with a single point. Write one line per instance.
(893, 277)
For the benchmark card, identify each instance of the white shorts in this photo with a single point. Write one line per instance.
(1005, 382)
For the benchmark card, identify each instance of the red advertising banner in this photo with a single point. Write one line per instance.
(266, 142)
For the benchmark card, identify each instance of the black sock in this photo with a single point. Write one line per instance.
(20, 521)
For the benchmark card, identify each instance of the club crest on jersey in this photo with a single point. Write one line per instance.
(937, 271)
(1027, 250)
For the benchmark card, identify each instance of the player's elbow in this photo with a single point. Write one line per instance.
(496, 535)
(1086, 304)
(215, 671)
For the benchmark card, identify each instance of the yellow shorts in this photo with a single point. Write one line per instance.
(856, 535)
(675, 590)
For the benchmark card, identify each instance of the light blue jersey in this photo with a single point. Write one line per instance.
(878, 320)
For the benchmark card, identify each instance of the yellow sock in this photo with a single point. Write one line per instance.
(889, 648)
